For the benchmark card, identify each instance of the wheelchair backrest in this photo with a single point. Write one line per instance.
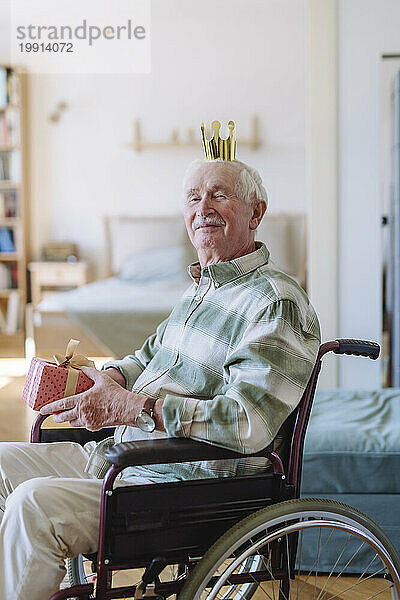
(289, 442)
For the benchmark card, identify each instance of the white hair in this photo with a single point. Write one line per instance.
(249, 186)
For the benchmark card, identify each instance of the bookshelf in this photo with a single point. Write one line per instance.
(13, 188)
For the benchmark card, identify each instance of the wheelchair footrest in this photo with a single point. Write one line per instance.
(154, 569)
(83, 592)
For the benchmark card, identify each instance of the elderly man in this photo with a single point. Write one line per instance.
(228, 366)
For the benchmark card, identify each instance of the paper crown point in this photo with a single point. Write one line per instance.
(217, 147)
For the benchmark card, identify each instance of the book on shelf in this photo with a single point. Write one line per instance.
(3, 87)
(8, 204)
(9, 87)
(9, 127)
(13, 90)
(10, 166)
(5, 277)
(5, 166)
(8, 276)
(7, 242)
(13, 313)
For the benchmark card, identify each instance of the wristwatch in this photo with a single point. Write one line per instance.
(145, 419)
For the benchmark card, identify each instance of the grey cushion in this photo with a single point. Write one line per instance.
(156, 264)
(353, 443)
(382, 508)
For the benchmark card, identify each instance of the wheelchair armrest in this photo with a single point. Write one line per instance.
(170, 450)
(66, 434)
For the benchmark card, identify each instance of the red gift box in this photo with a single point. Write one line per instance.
(47, 381)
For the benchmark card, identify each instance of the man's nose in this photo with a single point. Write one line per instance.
(205, 205)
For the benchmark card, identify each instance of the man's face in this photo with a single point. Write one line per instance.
(218, 222)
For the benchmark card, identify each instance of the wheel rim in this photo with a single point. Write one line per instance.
(235, 592)
(287, 531)
(315, 582)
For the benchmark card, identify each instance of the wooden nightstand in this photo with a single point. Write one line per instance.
(50, 277)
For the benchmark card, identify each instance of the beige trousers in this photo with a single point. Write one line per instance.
(49, 511)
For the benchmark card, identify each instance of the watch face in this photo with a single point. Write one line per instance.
(145, 422)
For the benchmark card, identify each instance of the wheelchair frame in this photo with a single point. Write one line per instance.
(203, 509)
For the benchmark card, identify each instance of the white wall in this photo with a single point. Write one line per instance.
(321, 153)
(227, 60)
(367, 29)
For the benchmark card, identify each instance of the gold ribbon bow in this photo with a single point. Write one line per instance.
(73, 362)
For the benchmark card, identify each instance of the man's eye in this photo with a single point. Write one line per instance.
(194, 199)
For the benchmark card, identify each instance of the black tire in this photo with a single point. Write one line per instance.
(76, 571)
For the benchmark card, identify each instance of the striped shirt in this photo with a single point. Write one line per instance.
(231, 363)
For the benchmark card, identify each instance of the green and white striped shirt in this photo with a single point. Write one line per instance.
(231, 363)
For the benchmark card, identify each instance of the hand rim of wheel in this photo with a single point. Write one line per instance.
(288, 529)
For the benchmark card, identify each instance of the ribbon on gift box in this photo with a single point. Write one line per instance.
(73, 362)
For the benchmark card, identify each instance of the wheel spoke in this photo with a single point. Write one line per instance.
(299, 559)
(333, 568)
(317, 559)
(368, 566)
(380, 592)
(347, 563)
(351, 587)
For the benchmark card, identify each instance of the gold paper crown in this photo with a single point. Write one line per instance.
(217, 147)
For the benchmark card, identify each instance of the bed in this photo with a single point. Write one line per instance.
(147, 260)
(353, 444)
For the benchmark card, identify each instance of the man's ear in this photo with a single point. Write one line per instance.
(259, 208)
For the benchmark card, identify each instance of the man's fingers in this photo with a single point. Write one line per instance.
(68, 415)
(58, 405)
(92, 373)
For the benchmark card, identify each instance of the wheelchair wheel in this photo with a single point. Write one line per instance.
(79, 571)
(299, 550)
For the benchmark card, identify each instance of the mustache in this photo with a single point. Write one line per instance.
(200, 221)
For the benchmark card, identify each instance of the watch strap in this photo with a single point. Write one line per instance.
(148, 406)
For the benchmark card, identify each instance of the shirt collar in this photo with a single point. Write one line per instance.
(225, 272)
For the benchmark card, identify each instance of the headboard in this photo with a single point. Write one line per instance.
(128, 234)
(284, 235)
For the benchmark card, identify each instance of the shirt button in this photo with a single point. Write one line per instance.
(197, 298)
(216, 284)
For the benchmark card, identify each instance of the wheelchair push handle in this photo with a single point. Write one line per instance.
(358, 348)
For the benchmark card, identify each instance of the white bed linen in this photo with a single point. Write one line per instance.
(119, 314)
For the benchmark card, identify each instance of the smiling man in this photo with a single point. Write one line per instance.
(228, 366)
(220, 214)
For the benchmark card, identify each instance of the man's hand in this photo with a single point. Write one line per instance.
(105, 404)
(116, 375)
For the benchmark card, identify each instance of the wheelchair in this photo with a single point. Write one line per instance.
(234, 538)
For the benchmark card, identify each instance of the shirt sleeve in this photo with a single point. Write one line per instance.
(132, 365)
(265, 376)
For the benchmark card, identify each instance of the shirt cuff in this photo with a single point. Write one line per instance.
(178, 414)
(129, 368)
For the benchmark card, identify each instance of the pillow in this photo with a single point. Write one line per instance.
(128, 234)
(155, 264)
